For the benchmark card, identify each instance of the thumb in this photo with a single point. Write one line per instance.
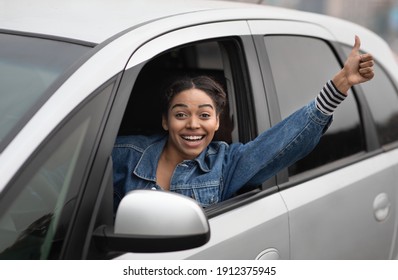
(357, 45)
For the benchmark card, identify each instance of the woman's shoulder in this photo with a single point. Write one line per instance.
(217, 146)
(137, 141)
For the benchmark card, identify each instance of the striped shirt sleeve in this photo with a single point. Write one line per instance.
(329, 98)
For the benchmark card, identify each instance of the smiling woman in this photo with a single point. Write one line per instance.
(191, 116)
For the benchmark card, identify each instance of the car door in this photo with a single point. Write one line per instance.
(341, 197)
(254, 224)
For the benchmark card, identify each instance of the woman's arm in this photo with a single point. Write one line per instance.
(298, 134)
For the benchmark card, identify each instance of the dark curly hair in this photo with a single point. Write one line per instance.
(213, 89)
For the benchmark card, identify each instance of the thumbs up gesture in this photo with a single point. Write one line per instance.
(358, 68)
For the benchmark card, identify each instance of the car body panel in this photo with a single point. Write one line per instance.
(339, 209)
(324, 217)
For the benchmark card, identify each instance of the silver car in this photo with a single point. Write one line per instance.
(76, 74)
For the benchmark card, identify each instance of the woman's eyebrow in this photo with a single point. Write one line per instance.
(186, 106)
(179, 105)
(206, 105)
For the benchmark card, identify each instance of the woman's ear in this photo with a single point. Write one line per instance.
(218, 122)
(164, 123)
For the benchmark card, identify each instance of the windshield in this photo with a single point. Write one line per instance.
(28, 67)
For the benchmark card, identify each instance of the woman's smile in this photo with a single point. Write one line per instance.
(193, 138)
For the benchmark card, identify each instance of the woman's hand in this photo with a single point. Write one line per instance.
(358, 68)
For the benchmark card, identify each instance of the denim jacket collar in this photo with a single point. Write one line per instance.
(201, 160)
(147, 165)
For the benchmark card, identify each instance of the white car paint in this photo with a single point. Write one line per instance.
(132, 32)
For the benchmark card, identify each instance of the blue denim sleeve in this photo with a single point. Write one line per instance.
(274, 149)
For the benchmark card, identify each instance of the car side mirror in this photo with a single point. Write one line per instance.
(155, 221)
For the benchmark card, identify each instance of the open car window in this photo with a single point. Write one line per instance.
(221, 60)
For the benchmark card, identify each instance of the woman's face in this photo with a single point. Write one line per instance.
(191, 123)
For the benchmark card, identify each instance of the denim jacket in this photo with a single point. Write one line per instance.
(221, 169)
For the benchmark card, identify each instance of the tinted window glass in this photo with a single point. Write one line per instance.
(28, 66)
(382, 98)
(36, 210)
(26, 225)
(300, 68)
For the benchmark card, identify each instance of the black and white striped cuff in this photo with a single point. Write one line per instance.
(329, 98)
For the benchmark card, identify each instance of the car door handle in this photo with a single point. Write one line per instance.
(381, 207)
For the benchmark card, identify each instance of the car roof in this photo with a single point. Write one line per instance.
(94, 20)
(98, 21)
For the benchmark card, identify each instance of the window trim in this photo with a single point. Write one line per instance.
(247, 60)
(238, 50)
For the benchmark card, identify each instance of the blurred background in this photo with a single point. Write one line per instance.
(380, 16)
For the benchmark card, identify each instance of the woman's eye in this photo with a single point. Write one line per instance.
(180, 115)
(205, 115)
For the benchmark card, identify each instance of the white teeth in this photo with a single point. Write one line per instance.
(193, 138)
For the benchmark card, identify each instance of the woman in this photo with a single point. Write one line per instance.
(186, 160)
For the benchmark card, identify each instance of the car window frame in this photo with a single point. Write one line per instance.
(216, 32)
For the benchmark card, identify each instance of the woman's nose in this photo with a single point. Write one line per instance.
(193, 123)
